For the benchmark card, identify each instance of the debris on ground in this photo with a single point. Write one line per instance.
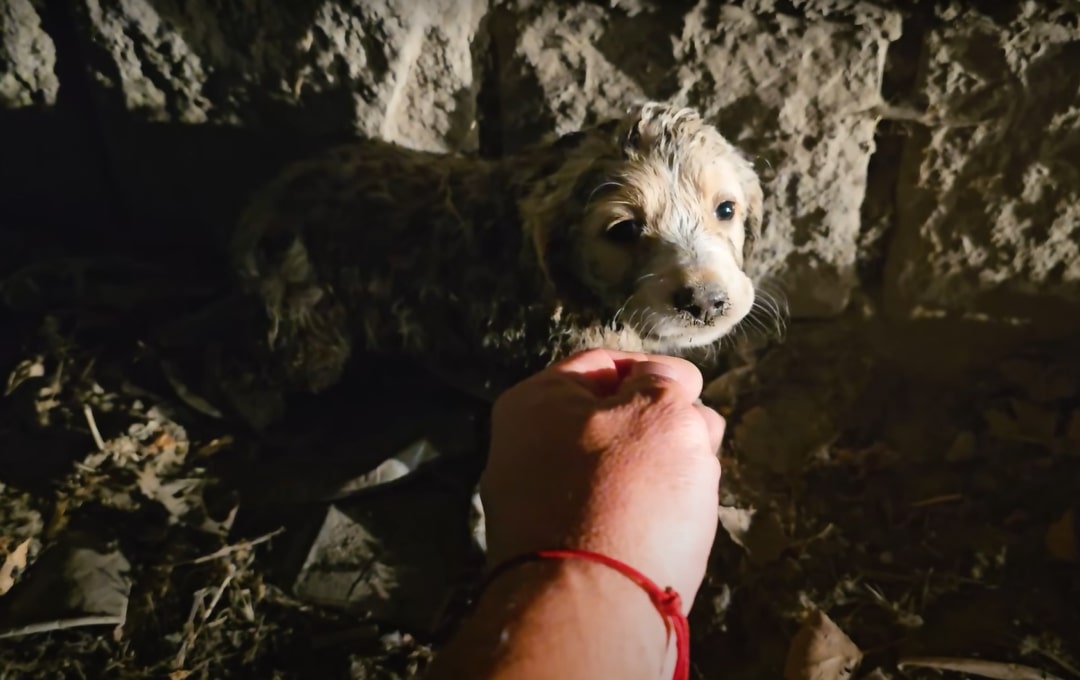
(821, 651)
(145, 534)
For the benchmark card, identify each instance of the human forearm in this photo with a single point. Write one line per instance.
(559, 619)
(605, 460)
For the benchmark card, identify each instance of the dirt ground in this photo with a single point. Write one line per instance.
(930, 514)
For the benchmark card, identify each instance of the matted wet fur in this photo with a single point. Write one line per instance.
(632, 234)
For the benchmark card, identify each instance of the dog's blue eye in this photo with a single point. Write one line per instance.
(725, 211)
(626, 231)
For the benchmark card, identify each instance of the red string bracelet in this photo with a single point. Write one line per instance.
(666, 600)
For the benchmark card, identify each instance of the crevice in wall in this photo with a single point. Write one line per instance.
(510, 85)
(485, 59)
(77, 112)
(878, 213)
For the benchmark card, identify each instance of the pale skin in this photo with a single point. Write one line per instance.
(609, 452)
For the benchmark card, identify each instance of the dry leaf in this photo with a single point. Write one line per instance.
(1061, 538)
(25, 370)
(193, 400)
(214, 445)
(983, 668)
(757, 532)
(59, 518)
(163, 442)
(75, 582)
(177, 496)
(16, 560)
(821, 651)
(392, 469)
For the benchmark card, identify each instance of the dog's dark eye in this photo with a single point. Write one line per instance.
(626, 231)
(725, 211)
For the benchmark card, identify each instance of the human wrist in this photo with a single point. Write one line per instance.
(566, 618)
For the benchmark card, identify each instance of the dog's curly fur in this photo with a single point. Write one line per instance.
(500, 266)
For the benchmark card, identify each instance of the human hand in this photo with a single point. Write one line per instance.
(610, 452)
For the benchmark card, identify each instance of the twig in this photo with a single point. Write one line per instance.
(938, 500)
(1058, 659)
(61, 624)
(219, 593)
(181, 656)
(192, 400)
(93, 427)
(196, 604)
(230, 549)
(997, 670)
(824, 533)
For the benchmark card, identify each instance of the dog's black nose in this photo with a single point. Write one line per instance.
(703, 303)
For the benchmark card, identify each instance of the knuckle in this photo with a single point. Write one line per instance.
(660, 389)
(657, 405)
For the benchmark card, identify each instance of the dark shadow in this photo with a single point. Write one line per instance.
(87, 178)
(87, 175)
(508, 116)
(650, 62)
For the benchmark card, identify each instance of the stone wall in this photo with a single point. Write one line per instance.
(923, 157)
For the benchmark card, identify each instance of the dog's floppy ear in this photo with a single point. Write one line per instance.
(754, 212)
(553, 217)
(626, 132)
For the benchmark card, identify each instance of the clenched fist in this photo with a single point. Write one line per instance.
(610, 452)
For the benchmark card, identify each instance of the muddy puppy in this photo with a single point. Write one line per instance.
(632, 234)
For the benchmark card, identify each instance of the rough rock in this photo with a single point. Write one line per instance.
(366, 558)
(821, 650)
(989, 200)
(80, 580)
(811, 116)
(27, 57)
(191, 105)
(205, 98)
(797, 93)
(395, 69)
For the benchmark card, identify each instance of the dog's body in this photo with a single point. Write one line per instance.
(630, 235)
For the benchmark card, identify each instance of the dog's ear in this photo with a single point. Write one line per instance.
(626, 132)
(553, 216)
(559, 257)
(755, 199)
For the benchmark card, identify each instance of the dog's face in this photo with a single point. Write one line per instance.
(658, 226)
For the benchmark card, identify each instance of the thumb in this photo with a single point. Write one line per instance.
(715, 424)
(656, 378)
(653, 379)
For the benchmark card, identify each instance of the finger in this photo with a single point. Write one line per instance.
(681, 376)
(590, 359)
(604, 370)
(715, 424)
(598, 370)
